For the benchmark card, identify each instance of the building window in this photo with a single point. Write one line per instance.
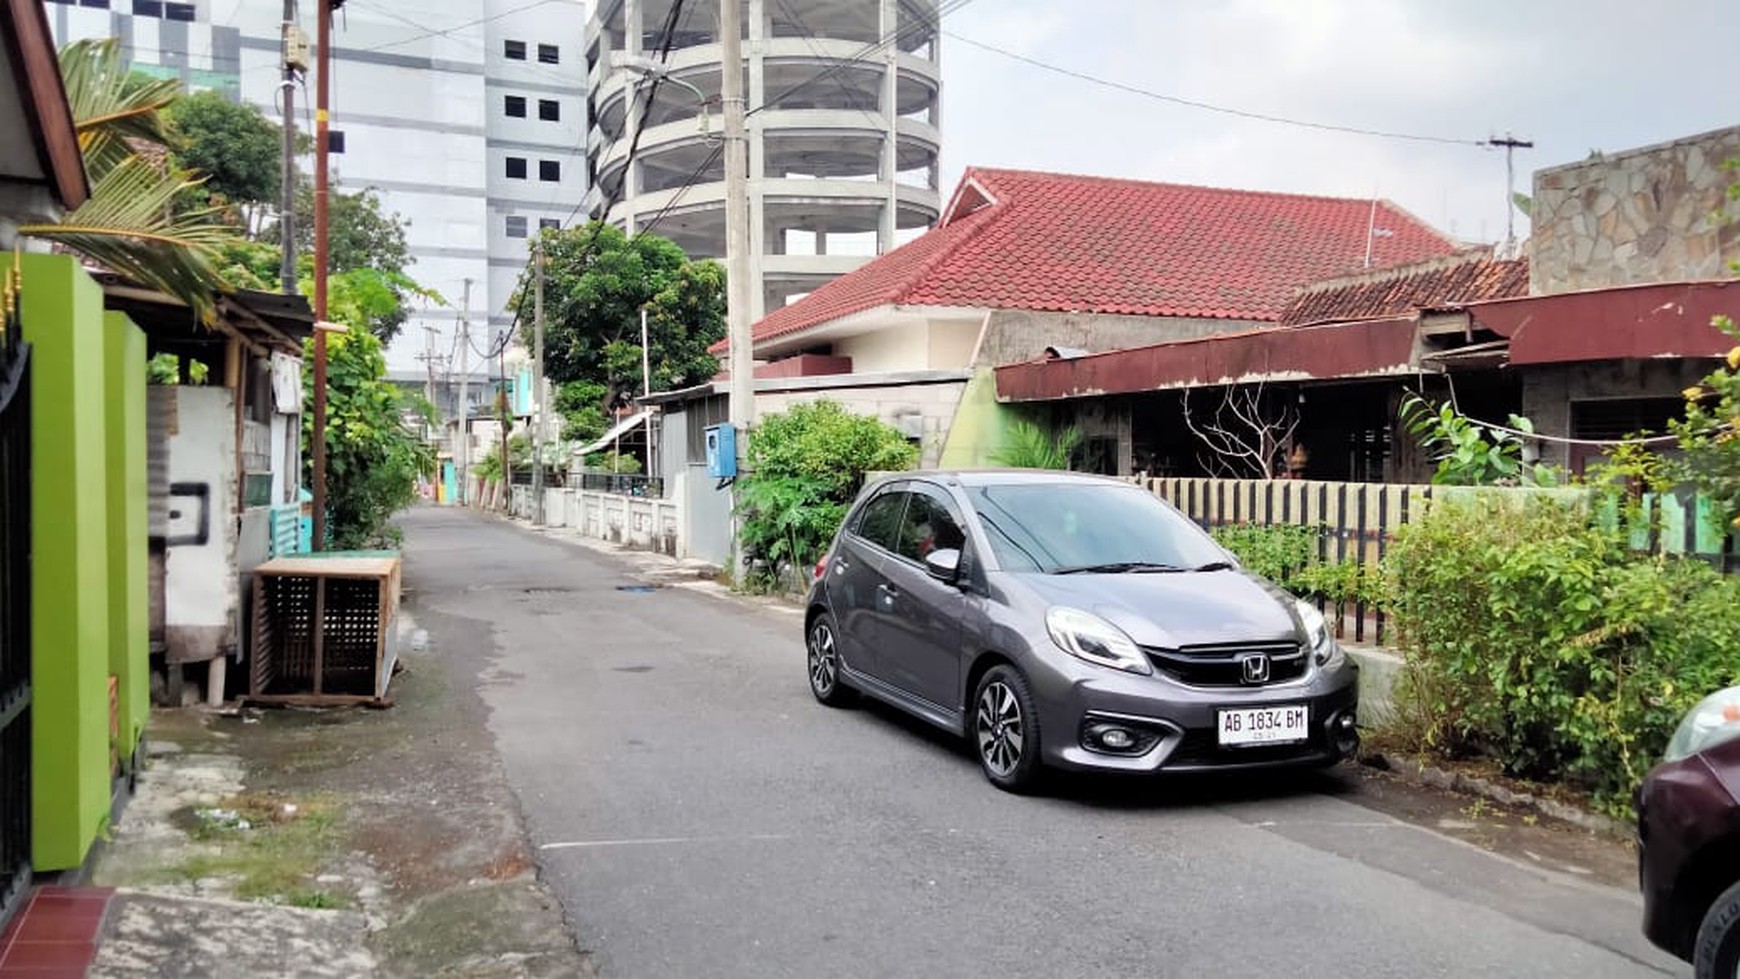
(514, 105)
(549, 54)
(516, 226)
(516, 167)
(104, 4)
(549, 224)
(550, 170)
(147, 8)
(549, 110)
(335, 141)
(514, 50)
(183, 12)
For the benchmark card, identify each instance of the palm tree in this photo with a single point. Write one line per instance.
(130, 224)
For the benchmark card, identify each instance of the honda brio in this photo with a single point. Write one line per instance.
(1064, 621)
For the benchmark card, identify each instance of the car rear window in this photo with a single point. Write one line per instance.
(1049, 527)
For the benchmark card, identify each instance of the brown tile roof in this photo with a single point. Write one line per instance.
(1468, 276)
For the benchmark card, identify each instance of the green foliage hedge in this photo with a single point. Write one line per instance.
(804, 466)
(1541, 640)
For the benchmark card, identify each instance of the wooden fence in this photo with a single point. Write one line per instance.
(1354, 521)
(1357, 521)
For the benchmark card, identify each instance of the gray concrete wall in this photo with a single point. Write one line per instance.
(1017, 335)
(922, 411)
(1638, 216)
(1548, 392)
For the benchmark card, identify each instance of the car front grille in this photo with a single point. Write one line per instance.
(1221, 664)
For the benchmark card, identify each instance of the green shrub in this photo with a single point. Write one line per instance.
(1537, 638)
(1029, 446)
(1286, 554)
(803, 467)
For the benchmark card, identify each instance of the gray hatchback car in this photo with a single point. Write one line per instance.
(1065, 621)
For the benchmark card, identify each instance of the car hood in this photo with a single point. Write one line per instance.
(1174, 609)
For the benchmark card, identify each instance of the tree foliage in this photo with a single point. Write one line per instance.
(805, 465)
(1471, 454)
(372, 460)
(129, 223)
(1030, 446)
(359, 233)
(597, 280)
(238, 149)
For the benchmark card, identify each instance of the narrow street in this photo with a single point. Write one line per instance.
(700, 815)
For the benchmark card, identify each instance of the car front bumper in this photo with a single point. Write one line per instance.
(1183, 720)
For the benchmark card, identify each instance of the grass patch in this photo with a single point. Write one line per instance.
(269, 846)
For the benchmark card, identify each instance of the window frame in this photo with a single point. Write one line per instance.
(508, 167)
(900, 490)
(508, 226)
(510, 102)
(547, 167)
(509, 47)
(550, 110)
(549, 54)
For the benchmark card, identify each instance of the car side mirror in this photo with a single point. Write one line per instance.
(944, 564)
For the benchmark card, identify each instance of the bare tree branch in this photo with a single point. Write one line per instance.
(1247, 444)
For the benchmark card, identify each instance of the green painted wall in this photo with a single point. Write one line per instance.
(128, 495)
(980, 421)
(62, 310)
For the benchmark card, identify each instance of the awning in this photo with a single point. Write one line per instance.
(617, 431)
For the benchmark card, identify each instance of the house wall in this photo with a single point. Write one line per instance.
(897, 347)
(62, 312)
(923, 411)
(1548, 392)
(128, 495)
(1017, 335)
(1638, 216)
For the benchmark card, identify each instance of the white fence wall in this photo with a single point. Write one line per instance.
(650, 524)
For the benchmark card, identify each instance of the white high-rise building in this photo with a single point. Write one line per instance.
(466, 116)
(844, 103)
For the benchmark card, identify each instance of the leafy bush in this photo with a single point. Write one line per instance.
(1030, 446)
(1539, 639)
(1468, 453)
(804, 466)
(372, 459)
(613, 462)
(1286, 554)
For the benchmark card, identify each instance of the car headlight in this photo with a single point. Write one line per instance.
(1086, 636)
(1715, 720)
(1323, 646)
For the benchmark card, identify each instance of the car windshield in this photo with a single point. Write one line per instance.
(1063, 528)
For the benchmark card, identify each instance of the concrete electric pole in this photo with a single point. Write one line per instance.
(538, 406)
(295, 61)
(322, 99)
(1511, 144)
(462, 450)
(737, 259)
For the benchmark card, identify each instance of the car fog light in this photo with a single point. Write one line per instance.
(1348, 721)
(1117, 738)
(1347, 733)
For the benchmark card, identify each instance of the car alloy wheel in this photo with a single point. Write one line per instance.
(824, 663)
(1001, 732)
(1716, 952)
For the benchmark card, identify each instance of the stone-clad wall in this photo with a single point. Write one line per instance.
(1642, 215)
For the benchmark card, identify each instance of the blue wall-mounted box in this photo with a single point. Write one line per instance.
(721, 451)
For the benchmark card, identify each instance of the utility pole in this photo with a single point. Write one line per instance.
(503, 411)
(737, 258)
(646, 389)
(1511, 144)
(294, 46)
(464, 454)
(322, 99)
(538, 405)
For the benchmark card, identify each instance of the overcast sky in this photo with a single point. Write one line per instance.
(1571, 75)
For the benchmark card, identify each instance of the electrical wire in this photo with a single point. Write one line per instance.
(1209, 107)
(894, 37)
(1554, 439)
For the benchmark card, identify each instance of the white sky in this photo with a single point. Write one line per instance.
(1572, 75)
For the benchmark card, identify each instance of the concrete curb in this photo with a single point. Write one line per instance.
(1414, 771)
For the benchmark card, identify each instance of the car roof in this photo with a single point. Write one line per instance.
(1006, 477)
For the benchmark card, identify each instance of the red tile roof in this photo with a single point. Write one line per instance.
(1468, 276)
(1015, 239)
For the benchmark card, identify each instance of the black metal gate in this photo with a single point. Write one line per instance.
(14, 606)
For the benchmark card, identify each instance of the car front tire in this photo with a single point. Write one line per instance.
(1004, 728)
(1716, 955)
(822, 645)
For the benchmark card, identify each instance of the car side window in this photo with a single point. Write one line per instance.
(880, 522)
(928, 526)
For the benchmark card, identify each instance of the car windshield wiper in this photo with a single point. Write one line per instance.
(1119, 567)
(1214, 566)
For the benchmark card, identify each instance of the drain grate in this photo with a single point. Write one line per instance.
(637, 589)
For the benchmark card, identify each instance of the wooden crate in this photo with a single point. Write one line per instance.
(324, 629)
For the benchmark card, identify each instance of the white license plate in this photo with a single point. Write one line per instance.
(1265, 725)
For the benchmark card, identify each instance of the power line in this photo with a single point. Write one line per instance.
(895, 37)
(1210, 107)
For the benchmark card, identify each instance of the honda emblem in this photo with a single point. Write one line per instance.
(1254, 667)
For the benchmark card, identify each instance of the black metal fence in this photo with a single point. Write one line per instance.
(624, 484)
(15, 634)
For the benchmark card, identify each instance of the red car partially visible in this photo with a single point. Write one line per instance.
(1688, 835)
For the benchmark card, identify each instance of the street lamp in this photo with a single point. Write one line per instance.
(650, 69)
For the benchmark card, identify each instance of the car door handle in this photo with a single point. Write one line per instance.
(888, 591)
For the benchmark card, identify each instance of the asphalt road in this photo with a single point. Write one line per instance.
(700, 815)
